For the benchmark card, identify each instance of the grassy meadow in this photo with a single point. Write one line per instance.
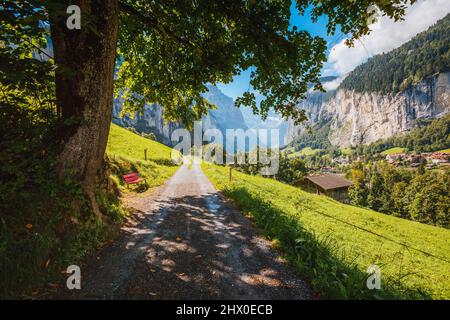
(394, 151)
(333, 244)
(307, 151)
(125, 150)
(347, 151)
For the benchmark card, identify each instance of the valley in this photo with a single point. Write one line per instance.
(224, 150)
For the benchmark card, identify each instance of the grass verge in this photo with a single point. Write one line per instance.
(333, 244)
(45, 226)
(126, 153)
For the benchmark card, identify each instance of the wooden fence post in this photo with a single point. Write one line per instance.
(231, 168)
(145, 154)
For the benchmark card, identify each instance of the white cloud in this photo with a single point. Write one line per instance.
(331, 85)
(386, 35)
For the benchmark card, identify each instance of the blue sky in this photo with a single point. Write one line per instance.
(385, 36)
(241, 83)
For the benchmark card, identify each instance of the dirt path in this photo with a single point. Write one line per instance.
(188, 242)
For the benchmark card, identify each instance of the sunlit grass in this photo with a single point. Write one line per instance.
(307, 151)
(394, 150)
(125, 150)
(406, 272)
(347, 151)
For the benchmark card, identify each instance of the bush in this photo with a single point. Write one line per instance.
(45, 225)
(150, 136)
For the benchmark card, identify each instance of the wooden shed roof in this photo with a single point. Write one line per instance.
(330, 181)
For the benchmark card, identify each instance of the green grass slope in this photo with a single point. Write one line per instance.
(394, 151)
(347, 151)
(333, 244)
(307, 151)
(125, 150)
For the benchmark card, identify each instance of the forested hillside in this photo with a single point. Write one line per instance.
(429, 136)
(425, 55)
(315, 137)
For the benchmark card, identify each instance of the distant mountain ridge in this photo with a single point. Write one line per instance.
(226, 116)
(362, 109)
(424, 56)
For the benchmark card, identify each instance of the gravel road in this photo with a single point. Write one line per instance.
(187, 241)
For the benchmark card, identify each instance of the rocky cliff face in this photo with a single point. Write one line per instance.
(226, 116)
(150, 121)
(362, 118)
(313, 105)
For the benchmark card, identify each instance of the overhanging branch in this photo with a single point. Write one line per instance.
(152, 23)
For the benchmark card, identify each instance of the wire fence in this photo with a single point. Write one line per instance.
(360, 228)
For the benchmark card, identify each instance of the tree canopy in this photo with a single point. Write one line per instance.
(169, 50)
(424, 56)
(430, 135)
(163, 52)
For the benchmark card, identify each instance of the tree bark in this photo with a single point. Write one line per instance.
(85, 61)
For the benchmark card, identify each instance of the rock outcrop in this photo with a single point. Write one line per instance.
(226, 116)
(361, 118)
(150, 121)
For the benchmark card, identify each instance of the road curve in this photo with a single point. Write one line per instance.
(187, 242)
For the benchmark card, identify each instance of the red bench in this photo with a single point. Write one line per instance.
(132, 178)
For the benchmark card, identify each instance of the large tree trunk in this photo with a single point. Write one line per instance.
(85, 62)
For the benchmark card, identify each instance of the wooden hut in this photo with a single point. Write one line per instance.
(331, 185)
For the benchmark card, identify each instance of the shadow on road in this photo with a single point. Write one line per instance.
(193, 247)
